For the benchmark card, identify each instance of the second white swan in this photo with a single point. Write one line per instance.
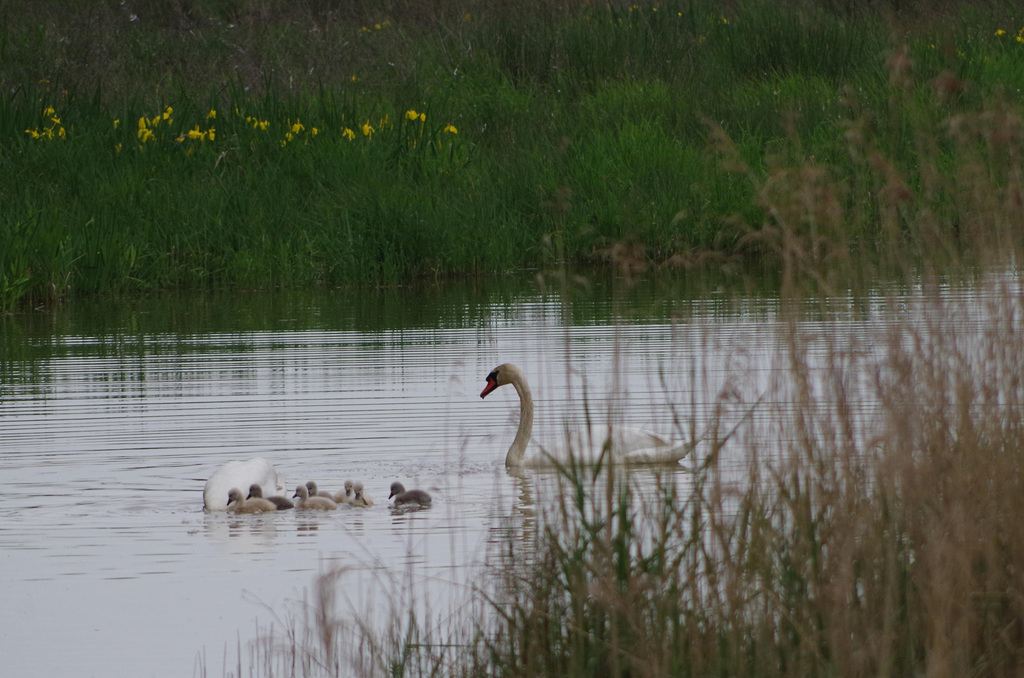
(629, 446)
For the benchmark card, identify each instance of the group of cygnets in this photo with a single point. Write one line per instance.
(309, 497)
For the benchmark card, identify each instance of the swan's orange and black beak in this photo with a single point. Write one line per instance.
(492, 383)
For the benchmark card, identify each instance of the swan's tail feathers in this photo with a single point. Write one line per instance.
(240, 474)
(682, 450)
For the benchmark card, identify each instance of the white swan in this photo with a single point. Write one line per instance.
(308, 502)
(630, 446)
(238, 504)
(403, 497)
(238, 474)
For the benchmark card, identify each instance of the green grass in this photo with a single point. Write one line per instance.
(579, 128)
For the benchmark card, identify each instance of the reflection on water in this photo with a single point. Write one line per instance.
(112, 415)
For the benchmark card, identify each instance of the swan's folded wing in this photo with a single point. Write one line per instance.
(626, 440)
(665, 454)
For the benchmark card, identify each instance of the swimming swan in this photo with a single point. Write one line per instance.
(314, 492)
(315, 503)
(630, 446)
(282, 503)
(403, 497)
(238, 504)
(238, 474)
(360, 498)
(347, 495)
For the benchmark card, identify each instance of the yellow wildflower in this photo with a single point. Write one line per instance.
(314, 131)
(211, 115)
(367, 130)
(48, 112)
(1000, 32)
(450, 129)
(297, 127)
(194, 133)
(117, 123)
(348, 134)
(211, 133)
(411, 114)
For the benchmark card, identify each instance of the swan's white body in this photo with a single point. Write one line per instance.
(587, 446)
(238, 474)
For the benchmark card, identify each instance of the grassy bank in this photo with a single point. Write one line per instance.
(177, 144)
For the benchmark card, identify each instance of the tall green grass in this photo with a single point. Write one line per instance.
(579, 127)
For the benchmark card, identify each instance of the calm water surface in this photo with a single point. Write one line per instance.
(112, 415)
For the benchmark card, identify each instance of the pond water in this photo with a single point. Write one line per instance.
(113, 414)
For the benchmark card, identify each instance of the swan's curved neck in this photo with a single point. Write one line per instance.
(517, 450)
